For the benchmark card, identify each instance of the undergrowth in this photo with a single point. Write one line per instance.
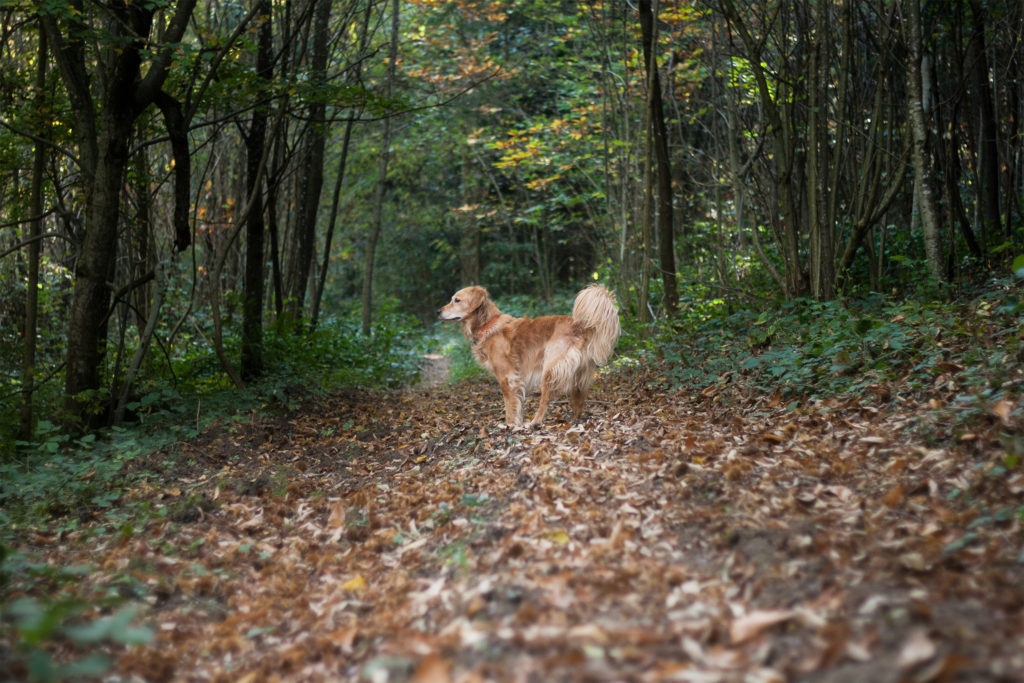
(964, 354)
(58, 473)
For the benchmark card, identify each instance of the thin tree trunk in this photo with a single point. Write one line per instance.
(643, 309)
(311, 168)
(666, 215)
(382, 171)
(255, 144)
(276, 276)
(779, 127)
(318, 293)
(241, 220)
(145, 339)
(988, 160)
(28, 365)
(821, 247)
(923, 176)
(346, 140)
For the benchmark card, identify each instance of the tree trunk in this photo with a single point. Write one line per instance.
(276, 276)
(339, 180)
(87, 329)
(923, 176)
(821, 254)
(469, 233)
(666, 216)
(102, 130)
(255, 144)
(779, 127)
(311, 167)
(643, 313)
(28, 366)
(145, 339)
(318, 292)
(988, 159)
(382, 171)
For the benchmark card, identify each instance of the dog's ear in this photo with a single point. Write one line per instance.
(482, 296)
(475, 297)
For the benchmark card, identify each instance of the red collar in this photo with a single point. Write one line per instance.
(478, 337)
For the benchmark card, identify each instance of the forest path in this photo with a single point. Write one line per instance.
(435, 371)
(715, 537)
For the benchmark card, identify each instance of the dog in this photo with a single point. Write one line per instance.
(555, 353)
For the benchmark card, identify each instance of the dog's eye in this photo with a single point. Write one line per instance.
(455, 299)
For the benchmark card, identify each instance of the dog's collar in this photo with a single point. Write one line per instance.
(479, 336)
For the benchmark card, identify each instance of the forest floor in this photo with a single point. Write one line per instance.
(723, 536)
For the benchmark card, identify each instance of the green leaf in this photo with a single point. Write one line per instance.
(960, 543)
(1018, 266)
(88, 667)
(117, 628)
(40, 666)
(253, 632)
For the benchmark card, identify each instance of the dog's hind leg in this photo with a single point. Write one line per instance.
(512, 393)
(542, 405)
(558, 378)
(582, 382)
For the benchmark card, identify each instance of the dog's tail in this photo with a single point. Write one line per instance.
(595, 309)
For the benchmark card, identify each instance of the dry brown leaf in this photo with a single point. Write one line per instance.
(915, 562)
(590, 634)
(917, 649)
(754, 623)
(1003, 409)
(433, 669)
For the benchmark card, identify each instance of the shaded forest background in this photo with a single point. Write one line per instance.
(224, 232)
(207, 196)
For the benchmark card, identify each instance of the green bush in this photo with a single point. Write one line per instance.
(57, 473)
(32, 624)
(811, 349)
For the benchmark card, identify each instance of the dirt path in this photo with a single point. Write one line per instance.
(436, 369)
(720, 537)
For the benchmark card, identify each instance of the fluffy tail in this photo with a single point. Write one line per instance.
(596, 309)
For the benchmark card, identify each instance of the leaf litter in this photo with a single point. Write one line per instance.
(718, 536)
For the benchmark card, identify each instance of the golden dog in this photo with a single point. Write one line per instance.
(556, 353)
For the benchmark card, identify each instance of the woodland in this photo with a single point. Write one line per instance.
(236, 443)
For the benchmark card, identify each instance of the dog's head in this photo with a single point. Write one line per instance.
(463, 303)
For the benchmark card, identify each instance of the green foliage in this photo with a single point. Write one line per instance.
(871, 348)
(337, 354)
(57, 473)
(33, 624)
(1018, 267)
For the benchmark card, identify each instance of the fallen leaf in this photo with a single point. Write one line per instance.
(587, 634)
(433, 669)
(915, 562)
(1003, 409)
(917, 649)
(753, 623)
(558, 537)
(356, 583)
